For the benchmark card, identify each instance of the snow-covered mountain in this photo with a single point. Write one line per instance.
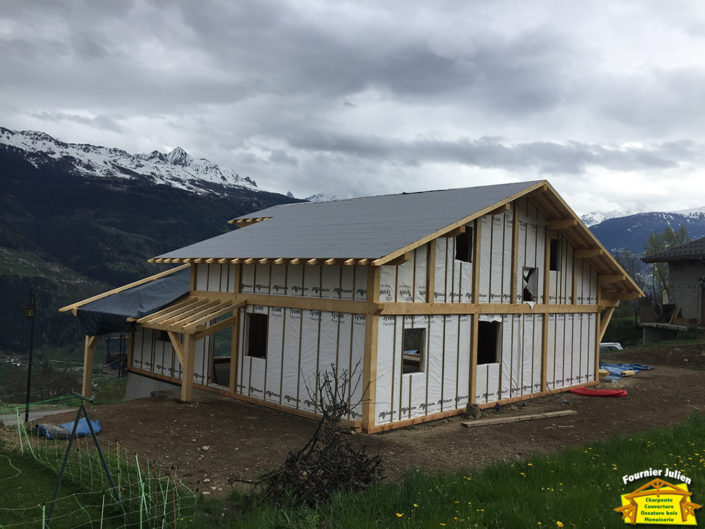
(595, 217)
(176, 168)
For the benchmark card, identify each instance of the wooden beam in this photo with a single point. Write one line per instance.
(409, 309)
(518, 418)
(547, 267)
(431, 272)
(604, 322)
(208, 331)
(88, 354)
(234, 351)
(122, 288)
(176, 344)
(472, 389)
(576, 262)
(515, 253)
(187, 368)
(298, 302)
(588, 253)
(562, 224)
(401, 259)
(610, 278)
(454, 233)
(369, 375)
(598, 328)
(500, 210)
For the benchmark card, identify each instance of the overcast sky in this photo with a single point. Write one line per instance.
(605, 99)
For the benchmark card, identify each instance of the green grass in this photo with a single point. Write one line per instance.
(578, 488)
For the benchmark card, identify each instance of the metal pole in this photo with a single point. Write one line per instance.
(29, 312)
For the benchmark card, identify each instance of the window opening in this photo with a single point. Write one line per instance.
(257, 335)
(463, 245)
(412, 350)
(530, 284)
(487, 341)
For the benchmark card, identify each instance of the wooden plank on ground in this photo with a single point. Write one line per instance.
(518, 418)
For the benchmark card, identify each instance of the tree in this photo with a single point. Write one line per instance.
(662, 241)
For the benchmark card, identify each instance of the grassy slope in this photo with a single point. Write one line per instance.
(575, 488)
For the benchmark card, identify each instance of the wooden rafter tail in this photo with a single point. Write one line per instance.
(249, 260)
(588, 253)
(562, 224)
(363, 262)
(170, 311)
(313, 261)
(279, 260)
(151, 260)
(331, 262)
(194, 324)
(120, 289)
(210, 260)
(295, 261)
(349, 262)
(235, 261)
(222, 260)
(454, 233)
(265, 260)
(171, 320)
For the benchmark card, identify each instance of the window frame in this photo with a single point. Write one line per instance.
(251, 319)
(413, 358)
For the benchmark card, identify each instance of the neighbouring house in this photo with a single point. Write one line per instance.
(686, 279)
(425, 302)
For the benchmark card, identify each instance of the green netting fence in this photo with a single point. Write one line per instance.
(152, 496)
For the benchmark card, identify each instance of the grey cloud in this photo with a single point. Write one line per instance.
(100, 122)
(280, 156)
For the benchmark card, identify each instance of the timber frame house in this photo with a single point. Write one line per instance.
(425, 302)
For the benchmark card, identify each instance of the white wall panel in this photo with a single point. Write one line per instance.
(290, 371)
(464, 360)
(278, 286)
(439, 293)
(420, 273)
(387, 281)
(312, 281)
(360, 292)
(309, 359)
(330, 286)
(347, 279)
(248, 278)
(201, 277)
(275, 336)
(485, 258)
(435, 364)
(405, 282)
(450, 363)
(357, 388)
(262, 278)
(294, 280)
(385, 369)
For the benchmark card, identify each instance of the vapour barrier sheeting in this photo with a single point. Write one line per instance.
(507, 259)
(360, 292)
(358, 347)
(449, 268)
(592, 329)
(450, 363)
(578, 373)
(201, 277)
(278, 286)
(420, 272)
(231, 278)
(330, 285)
(397, 367)
(290, 367)
(538, 342)
(439, 294)
(294, 279)
(328, 343)
(247, 278)
(403, 396)
(241, 383)
(551, 353)
(540, 255)
(262, 278)
(346, 282)
(385, 372)
(213, 277)
(496, 254)
(490, 317)
(527, 347)
(465, 282)
(309, 359)
(258, 367)
(464, 360)
(493, 382)
(275, 334)
(312, 281)
(517, 357)
(405, 282)
(387, 279)
(344, 344)
(481, 384)
(435, 364)
(108, 314)
(559, 379)
(505, 356)
(485, 251)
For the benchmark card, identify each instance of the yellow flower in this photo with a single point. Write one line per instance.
(559, 523)
(400, 514)
(416, 504)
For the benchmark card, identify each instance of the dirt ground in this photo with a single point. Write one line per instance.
(214, 439)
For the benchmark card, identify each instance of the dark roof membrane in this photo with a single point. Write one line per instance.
(690, 251)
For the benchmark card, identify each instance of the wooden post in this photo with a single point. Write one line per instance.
(597, 346)
(576, 260)
(369, 378)
(235, 335)
(544, 351)
(130, 348)
(546, 291)
(515, 252)
(473, 359)
(88, 353)
(431, 272)
(187, 371)
(604, 322)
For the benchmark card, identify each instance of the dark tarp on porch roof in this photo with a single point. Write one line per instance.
(110, 313)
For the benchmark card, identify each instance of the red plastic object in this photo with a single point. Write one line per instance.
(599, 392)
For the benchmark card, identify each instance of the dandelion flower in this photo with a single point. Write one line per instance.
(400, 514)
(559, 523)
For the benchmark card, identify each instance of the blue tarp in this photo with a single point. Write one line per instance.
(63, 431)
(108, 314)
(616, 369)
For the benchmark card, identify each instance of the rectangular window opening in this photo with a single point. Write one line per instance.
(530, 284)
(487, 342)
(464, 245)
(555, 259)
(257, 335)
(412, 350)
